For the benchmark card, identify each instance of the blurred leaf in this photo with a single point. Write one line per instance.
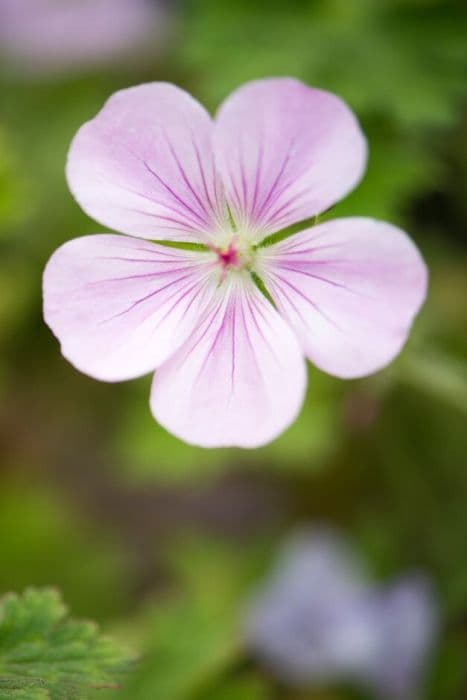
(450, 672)
(243, 688)
(16, 200)
(313, 436)
(44, 654)
(44, 542)
(398, 168)
(404, 59)
(194, 634)
(146, 452)
(439, 377)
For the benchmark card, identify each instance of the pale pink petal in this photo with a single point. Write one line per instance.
(121, 306)
(350, 288)
(286, 152)
(239, 380)
(144, 165)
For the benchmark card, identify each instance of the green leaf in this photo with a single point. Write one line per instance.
(44, 655)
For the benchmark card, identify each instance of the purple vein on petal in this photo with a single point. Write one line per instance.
(194, 224)
(232, 369)
(294, 249)
(298, 271)
(258, 173)
(185, 178)
(145, 298)
(280, 291)
(244, 179)
(255, 308)
(169, 261)
(147, 275)
(178, 300)
(182, 225)
(209, 318)
(287, 208)
(202, 287)
(179, 199)
(201, 172)
(249, 341)
(276, 181)
(238, 207)
(310, 301)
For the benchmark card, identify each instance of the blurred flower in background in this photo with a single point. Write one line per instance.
(318, 620)
(53, 36)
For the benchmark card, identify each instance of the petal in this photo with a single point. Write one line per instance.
(239, 380)
(286, 152)
(121, 306)
(309, 623)
(144, 165)
(407, 620)
(350, 288)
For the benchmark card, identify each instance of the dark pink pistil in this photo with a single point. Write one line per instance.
(229, 257)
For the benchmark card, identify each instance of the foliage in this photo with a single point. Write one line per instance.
(194, 634)
(45, 655)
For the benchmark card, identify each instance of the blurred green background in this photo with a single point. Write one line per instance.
(157, 540)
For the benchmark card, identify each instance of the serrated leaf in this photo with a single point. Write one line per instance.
(44, 655)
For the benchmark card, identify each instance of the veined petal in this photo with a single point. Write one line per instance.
(239, 381)
(286, 152)
(350, 288)
(121, 306)
(144, 165)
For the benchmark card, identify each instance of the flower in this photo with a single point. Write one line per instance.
(407, 624)
(46, 36)
(204, 288)
(318, 620)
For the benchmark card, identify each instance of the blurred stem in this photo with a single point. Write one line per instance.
(438, 375)
(233, 657)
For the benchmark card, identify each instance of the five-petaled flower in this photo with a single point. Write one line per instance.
(205, 288)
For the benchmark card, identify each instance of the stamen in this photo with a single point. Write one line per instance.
(229, 257)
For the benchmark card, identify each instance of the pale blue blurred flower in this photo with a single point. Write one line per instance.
(318, 621)
(406, 618)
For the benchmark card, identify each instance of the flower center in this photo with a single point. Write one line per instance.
(236, 255)
(229, 257)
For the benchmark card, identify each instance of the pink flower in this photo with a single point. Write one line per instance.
(49, 36)
(227, 322)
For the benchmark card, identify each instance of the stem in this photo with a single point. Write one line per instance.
(441, 376)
